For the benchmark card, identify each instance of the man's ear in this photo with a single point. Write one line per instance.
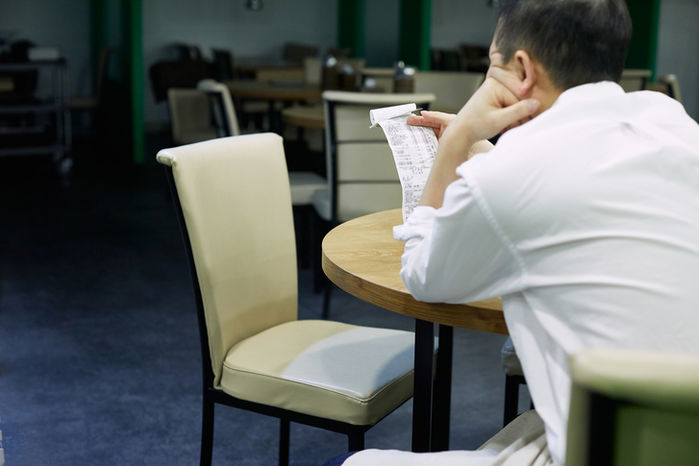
(527, 73)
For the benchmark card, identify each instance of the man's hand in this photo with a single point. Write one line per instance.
(438, 121)
(491, 110)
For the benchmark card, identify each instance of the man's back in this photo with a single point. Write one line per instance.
(597, 200)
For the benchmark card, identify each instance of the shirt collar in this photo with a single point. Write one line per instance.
(586, 92)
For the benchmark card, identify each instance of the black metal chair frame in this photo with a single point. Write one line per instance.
(211, 396)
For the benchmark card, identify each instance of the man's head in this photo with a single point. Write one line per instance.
(575, 41)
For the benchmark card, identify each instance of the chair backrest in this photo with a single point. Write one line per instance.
(234, 204)
(294, 52)
(634, 80)
(633, 407)
(312, 70)
(451, 88)
(191, 116)
(361, 173)
(673, 86)
(224, 111)
(223, 64)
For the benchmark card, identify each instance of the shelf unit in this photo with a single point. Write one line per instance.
(38, 126)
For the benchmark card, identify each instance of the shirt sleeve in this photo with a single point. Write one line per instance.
(457, 253)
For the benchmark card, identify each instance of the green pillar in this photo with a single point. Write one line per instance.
(350, 26)
(645, 16)
(133, 25)
(414, 33)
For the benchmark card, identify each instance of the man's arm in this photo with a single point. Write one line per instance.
(492, 109)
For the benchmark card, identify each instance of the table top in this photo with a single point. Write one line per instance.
(274, 90)
(362, 258)
(306, 116)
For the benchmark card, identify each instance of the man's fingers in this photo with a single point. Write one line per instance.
(511, 116)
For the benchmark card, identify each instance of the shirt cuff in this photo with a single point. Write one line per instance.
(418, 224)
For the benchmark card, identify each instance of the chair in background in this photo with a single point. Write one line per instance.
(224, 116)
(451, 88)
(234, 207)
(223, 65)
(667, 84)
(360, 171)
(634, 80)
(184, 74)
(294, 53)
(633, 408)
(91, 103)
(514, 379)
(191, 116)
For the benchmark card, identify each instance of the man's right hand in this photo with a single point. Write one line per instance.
(438, 121)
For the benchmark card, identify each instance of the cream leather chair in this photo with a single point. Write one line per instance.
(234, 205)
(362, 176)
(633, 408)
(451, 88)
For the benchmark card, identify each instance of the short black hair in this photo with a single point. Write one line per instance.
(576, 41)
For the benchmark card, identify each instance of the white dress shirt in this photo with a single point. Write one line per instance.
(586, 221)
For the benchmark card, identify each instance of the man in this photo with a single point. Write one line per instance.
(584, 217)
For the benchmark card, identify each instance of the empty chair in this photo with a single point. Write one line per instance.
(362, 176)
(223, 64)
(294, 53)
(224, 111)
(633, 408)
(234, 206)
(672, 86)
(451, 88)
(191, 116)
(634, 80)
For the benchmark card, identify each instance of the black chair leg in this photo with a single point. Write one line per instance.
(355, 439)
(284, 432)
(207, 433)
(512, 383)
(327, 292)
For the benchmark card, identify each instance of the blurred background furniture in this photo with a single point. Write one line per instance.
(90, 104)
(452, 89)
(35, 119)
(634, 80)
(294, 53)
(223, 64)
(633, 407)
(360, 171)
(191, 115)
(667, 84)
(256, 355)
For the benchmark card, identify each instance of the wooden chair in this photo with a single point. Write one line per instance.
(233, 203)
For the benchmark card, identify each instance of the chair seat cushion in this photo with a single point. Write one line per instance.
(321, 202)
(303, 185)
(510, 361)
(328, 369)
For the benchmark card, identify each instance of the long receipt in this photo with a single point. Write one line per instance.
(413, 147)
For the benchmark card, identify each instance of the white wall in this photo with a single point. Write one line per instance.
(58, 23)
(227, 24)
(678, 48)
(457, 21)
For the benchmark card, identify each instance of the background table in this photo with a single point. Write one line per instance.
(361, 257)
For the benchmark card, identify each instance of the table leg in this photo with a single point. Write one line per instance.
(422, 391)
(441, 398)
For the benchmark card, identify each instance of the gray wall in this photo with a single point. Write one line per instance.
(381, 32)
(456, 21)
(678, 48)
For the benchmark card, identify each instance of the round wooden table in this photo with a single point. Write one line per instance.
(361, 257)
